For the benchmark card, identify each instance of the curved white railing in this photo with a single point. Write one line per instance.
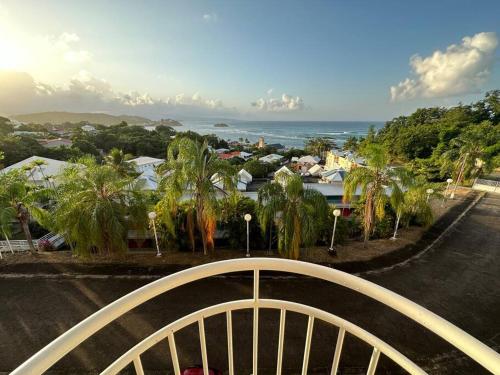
(49, 355)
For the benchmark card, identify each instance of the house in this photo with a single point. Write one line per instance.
(346, 160)
(315, 170)
(245, 155)
(222, 150)
(308, 160)
(88, 128)
(244, 179)
(333, 175)
(228, 155)
(281, 175)
(146, 163)
(53, 143)
(271, 158)
(43, 173)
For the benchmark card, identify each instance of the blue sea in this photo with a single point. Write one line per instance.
(288, 133)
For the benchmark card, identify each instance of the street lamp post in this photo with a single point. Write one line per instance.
(429, 192)
(152, 217)
(336, 213)
(448, 183)
(247, 218)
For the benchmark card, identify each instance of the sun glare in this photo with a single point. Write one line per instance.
(12, 54)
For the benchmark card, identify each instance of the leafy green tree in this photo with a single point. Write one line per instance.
(257, 168)
(413, 204)
(351, 144)
(5, 126)
(374, 181)
(190, 170)
(117, 160)
(300, 213)
(472, 152)
(96, 207)
(21, 198)
(319, 145)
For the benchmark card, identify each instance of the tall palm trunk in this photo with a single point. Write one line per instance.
(23, 217)
(201, 223)
(368, 216)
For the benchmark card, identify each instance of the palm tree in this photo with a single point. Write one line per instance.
(23, 200)
(375, 181)
(96, 206)
(192, 171)
(301, 213)
(117, 160)
(7, 216)
(268, 206)
(468, 155)
(319, 145)
(414, 203)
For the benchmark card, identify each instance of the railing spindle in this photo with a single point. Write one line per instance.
(203, 345)
(338, 351)
(138, 366)
(255, 321)
(373, 362)
(281, 342)
(307, 348)
(230, 360)
(173, 354)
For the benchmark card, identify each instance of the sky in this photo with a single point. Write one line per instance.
(257, 60)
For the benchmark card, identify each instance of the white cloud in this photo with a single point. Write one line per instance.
(287, 103)
(461, 69)
(210, 17)
(20, 93)
(63, 47)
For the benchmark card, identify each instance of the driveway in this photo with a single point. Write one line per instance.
(459, 279)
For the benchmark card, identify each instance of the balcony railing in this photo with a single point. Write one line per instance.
(49, 355)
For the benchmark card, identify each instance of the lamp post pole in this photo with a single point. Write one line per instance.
(429, 192)
(247, 218)
(448, 183)
(336, 213)
(152, 217)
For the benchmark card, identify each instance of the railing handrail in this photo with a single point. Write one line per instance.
(51, 353)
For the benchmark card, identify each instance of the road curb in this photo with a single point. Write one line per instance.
(428, 247)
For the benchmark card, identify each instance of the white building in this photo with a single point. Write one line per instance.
(244, 179)
(315, 170)
(271, 158)
(39, 174)
(146, 163)
(245, 155)
(88, 129)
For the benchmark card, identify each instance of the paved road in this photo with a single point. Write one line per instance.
(459, 280)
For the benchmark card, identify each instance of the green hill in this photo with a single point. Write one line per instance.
(93, 118)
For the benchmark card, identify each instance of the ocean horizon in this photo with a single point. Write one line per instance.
(287, 133)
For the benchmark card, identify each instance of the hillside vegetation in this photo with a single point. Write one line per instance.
(93, 118)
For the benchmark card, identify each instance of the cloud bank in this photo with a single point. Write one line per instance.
(20, 93)
(287, 103)
(461, 69)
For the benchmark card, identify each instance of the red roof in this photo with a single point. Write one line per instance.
(229, 155)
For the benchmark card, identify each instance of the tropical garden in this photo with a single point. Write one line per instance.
(98, 199)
